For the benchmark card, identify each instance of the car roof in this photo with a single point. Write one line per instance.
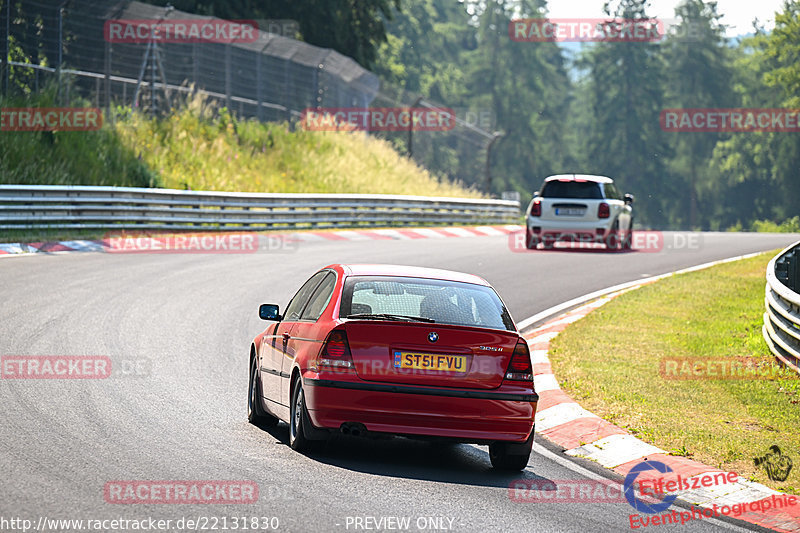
(579, 177)
(408, 271)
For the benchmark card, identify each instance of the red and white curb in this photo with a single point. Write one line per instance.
(143, 243)
(581, 433)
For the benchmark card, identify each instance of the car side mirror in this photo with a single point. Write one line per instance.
(628, 198)
(269, 312)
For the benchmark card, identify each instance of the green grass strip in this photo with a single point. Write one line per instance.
(610, 363)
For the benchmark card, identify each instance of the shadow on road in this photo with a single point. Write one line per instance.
(580, 249)
(408, 458)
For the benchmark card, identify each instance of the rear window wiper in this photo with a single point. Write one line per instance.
(389, 316)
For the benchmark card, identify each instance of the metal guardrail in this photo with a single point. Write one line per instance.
(129, 208)
(782, 317)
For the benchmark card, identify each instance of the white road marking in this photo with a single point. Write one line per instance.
(461, 232)
(615, 450)
(545, 382)
(428, 232)
(561, 414)
(488, 230)
(539, 357)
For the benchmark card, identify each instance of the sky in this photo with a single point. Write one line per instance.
(738, 14)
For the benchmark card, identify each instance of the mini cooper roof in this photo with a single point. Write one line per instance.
(579, 177)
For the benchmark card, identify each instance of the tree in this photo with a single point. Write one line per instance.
(526, 86)
(626, 95)
(760, 168)
(698, 67)
(425, 47)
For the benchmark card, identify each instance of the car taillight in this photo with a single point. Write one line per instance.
(336, 351)
(536, 208)
(520, 368)
(603, 211)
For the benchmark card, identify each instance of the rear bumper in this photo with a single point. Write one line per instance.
(468, 415)
(575, 227)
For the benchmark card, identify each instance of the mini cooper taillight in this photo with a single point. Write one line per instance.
(603, 210)
(520, 368)
(536, 208)
(335, 351)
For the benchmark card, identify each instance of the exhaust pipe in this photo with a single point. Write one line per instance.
(354, 429)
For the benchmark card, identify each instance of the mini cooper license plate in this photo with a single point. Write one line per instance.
(570, 211)
(430, 361)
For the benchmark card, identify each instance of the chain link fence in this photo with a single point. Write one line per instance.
(93, 49)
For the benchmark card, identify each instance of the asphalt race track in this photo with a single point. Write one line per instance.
(187, 321)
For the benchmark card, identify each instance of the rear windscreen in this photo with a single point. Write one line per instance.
(582, 190)
(445, 302)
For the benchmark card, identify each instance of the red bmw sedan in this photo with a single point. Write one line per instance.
(395, 350)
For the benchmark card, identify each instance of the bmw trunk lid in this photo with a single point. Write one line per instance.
(430, 354)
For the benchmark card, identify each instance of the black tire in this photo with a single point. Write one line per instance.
(627, 243)
(298, 417)
(548, 242)
(255, 412)
(531, 240)
(613, 239)
(509, 455)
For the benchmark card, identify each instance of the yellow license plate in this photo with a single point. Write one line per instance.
(430, 361)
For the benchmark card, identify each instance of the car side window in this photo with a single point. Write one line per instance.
(321, 297)
(301, 298)
(611, 192)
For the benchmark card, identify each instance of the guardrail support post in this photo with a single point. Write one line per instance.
(495, 136)
(411, 128)
(228, 101)
(107, 95)
(60, 47)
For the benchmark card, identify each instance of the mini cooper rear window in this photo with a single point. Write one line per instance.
(444, 302)
(580, 190)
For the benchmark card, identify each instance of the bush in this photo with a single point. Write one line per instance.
(790, 225)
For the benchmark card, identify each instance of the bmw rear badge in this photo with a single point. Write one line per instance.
(433, 336)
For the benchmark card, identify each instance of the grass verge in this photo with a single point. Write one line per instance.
(203, 147)
(609, 362)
